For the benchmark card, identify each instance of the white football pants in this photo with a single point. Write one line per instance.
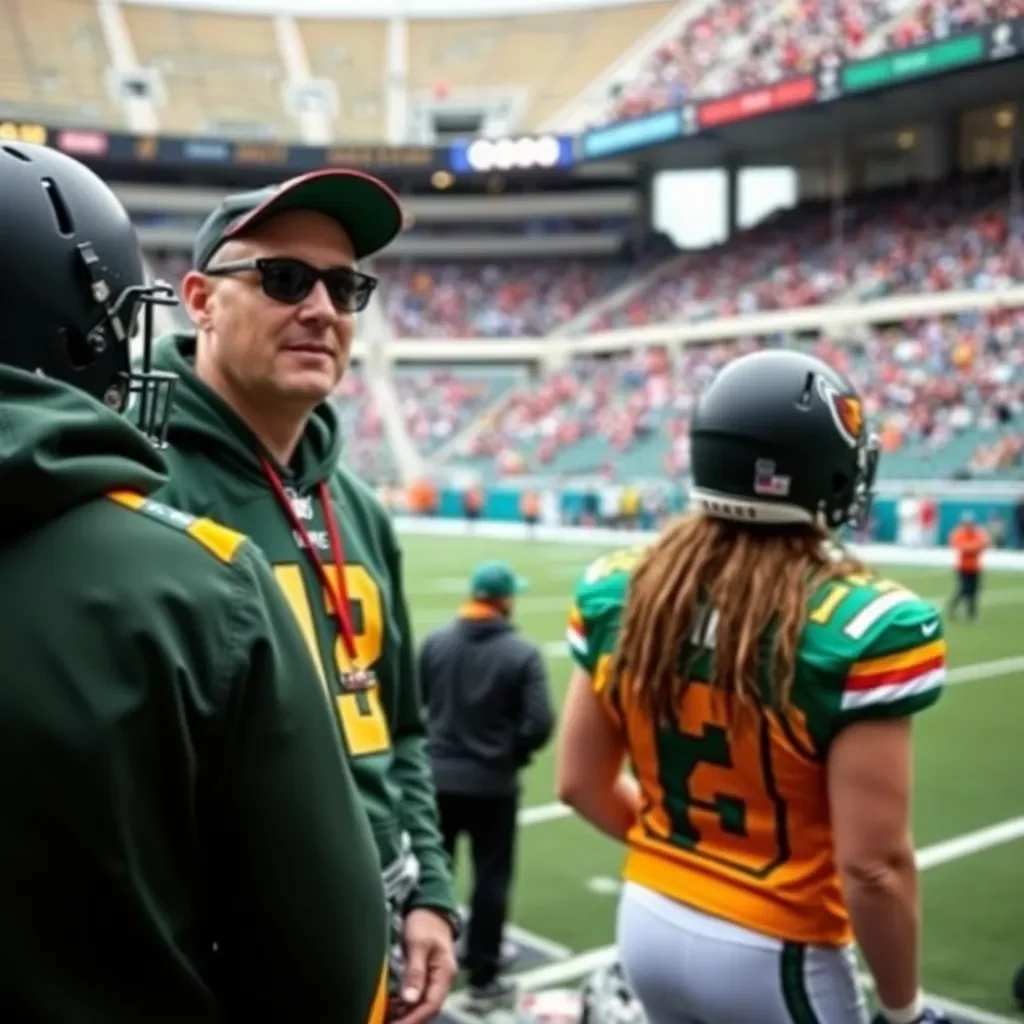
(688, 967)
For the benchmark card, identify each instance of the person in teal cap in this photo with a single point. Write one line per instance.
(495, 583)
(489, 711)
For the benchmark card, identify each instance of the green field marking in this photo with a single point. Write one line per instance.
(973, 926)
(967, 752)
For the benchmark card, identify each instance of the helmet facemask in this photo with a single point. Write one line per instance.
(154, 389)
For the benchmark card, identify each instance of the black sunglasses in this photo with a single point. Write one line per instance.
(289, 280)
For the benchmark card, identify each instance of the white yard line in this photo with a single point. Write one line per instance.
(962, 1011)
(543, 812)
(549, 947)
(927, 857)
(969, 843)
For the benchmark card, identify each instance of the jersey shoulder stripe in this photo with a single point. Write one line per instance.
(218, 540)
(895, 677)
(867, 617)
(871, 648)
(596, 609)
(576, 633)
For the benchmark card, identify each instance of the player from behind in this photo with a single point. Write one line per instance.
(181, 839)
(761, 684)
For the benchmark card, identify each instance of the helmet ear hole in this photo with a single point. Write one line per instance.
(804, 401)
(81, 351)
(61, 213)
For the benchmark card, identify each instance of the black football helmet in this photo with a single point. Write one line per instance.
(72, 284)
(778, 438)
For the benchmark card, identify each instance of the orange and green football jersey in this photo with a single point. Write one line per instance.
(735, 821)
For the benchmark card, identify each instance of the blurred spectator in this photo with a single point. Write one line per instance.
(931, 387)
(911, 240)
(916, 239)
(499, 299)
(734, 45)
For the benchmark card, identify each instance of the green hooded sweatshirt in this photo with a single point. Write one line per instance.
(215, 470)
(181, 839)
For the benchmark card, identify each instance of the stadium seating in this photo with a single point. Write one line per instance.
(946, 396)
(353, 55)
(921, 238)
(542, 60)
(437, 403)
(944, 238)
(366, 450)
(740, 44)
(53, 63)
(222, 72)
(495, 299)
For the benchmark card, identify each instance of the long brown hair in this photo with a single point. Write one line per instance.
(756, 579)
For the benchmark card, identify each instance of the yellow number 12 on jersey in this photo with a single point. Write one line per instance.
(362, 717)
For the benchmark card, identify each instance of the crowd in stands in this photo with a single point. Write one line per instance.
(435, 405)
(497, 299)
(735, 45)
(950, 237)
(955, 235)
(928, 385)
(367, 451)
(925, 385)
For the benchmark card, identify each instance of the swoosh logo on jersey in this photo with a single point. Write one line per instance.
(929, 627)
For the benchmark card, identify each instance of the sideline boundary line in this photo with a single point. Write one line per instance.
(597, 537)
(933, 855)
(549, 947)
(603, 956)
(539, 813)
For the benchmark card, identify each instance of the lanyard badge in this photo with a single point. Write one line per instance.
(357, 678)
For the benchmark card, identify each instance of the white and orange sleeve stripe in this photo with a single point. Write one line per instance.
(895, 677)
(575, 633)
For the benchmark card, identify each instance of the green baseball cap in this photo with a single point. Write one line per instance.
(493, 580)
(365, 207)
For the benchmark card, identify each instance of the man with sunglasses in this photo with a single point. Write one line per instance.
(255, 443)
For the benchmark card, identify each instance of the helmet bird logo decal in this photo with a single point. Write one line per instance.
(847, 412)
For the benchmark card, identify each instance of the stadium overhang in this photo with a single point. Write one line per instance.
(768, 139)
(831, 104)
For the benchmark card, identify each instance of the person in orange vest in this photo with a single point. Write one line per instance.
(969, 541)
(472, 504)
(529, 508)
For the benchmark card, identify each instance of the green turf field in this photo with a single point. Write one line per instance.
(970, 774)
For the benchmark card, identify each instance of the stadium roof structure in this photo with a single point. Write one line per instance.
(381, 9)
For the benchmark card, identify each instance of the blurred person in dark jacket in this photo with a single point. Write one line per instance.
(489, 711)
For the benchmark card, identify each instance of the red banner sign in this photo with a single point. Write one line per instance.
(794, 92)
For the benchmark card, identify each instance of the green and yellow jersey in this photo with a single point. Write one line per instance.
(736, 821)
(215, 470)
(183, 839)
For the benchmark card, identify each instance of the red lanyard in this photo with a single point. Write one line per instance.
(337, 593)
